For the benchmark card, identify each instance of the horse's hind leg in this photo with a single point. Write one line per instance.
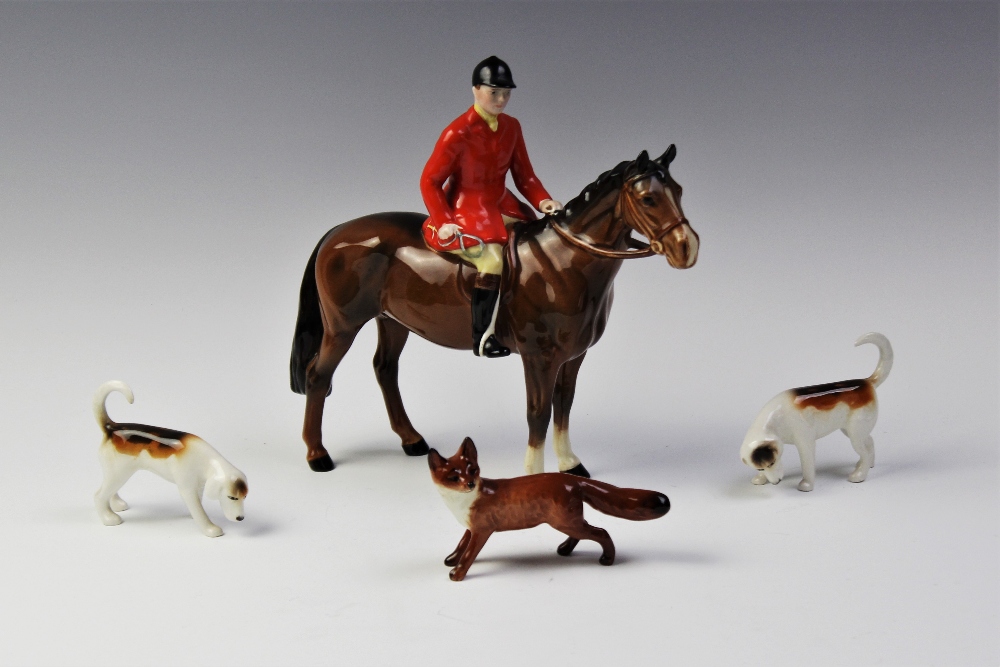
(391, 339)
(562, 402)
(318, 376)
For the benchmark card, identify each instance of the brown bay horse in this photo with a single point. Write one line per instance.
(556, 300)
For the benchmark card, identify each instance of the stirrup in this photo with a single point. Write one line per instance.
(492, 348)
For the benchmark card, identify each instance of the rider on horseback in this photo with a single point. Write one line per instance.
(468, 214)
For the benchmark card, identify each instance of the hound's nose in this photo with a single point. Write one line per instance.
(239, 518)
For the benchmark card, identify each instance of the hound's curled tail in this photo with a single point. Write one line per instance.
(631, 504)
(884, 356)
(100, 411)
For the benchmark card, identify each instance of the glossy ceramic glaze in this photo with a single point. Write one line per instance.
(487, 506)
(801, 416)
(182, 458)
(555, 305)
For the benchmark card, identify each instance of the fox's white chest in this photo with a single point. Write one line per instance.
(459, 503)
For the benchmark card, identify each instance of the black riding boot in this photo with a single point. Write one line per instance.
(484, 301)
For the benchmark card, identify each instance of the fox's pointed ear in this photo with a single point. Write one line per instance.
(468, 450)
(434, 460)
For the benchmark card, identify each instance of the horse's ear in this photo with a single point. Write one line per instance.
(668, 156)
(642, 161)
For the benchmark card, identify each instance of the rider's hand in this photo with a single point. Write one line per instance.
(549, 206)
(446, 231)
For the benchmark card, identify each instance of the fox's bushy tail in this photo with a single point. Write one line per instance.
(101, 396)
(631, 504)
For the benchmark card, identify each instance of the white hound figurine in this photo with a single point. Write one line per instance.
(184, 459)
(800, 416)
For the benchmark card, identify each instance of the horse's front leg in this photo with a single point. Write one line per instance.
(562, 402)
(319, 374)
(539, 380)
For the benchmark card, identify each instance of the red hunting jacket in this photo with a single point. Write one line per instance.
(477, 159)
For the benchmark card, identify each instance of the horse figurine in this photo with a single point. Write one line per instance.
(555, 304)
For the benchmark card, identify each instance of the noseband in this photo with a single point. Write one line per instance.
(642, 225)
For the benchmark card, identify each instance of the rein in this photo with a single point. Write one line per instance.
(640, 249)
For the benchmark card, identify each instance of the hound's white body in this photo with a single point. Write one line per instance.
(792, 417)
(182, 458)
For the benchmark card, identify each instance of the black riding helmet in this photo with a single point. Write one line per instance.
(493, 72)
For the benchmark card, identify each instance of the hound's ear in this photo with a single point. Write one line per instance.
(773, 420)
(668, 156)
(434, 460)
(214, 486)
(468, 450)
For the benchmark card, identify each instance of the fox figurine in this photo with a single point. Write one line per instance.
(485, 506)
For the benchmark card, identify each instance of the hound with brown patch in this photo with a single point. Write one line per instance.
(182, 458)
(803, 415)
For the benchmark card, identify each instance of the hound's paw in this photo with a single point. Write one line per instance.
(860, 473)
(212, 530)
(805, 486)
(111, 519)
(118, 505)
(759, 478)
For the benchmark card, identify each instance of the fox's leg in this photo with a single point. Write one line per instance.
(472, 549)
(452, 559)
(581, 530)
(562, 402)
(566, 548)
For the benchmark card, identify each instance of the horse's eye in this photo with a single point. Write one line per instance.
(648, 201)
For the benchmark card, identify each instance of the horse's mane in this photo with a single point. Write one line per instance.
(609, 180)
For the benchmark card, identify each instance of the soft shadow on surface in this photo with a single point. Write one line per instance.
(371, 452)
(833, 472)
(584, 558)
(250, 528)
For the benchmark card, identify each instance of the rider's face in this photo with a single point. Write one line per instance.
(491, 100)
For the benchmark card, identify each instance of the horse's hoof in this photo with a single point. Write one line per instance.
(607, 560)
(322, 464)
(578, 470)
(417, 449)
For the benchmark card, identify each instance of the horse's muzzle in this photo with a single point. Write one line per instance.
(679, 245)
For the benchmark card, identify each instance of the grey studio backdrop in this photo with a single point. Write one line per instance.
(166, 169)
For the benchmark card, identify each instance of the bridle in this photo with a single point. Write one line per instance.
(642, 224)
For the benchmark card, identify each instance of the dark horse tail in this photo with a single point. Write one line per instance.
(308, 326)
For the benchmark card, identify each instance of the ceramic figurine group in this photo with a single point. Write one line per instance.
(483, 262)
